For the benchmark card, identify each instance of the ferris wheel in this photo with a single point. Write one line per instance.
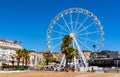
(81, 24)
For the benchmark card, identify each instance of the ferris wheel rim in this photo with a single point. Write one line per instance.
(80, 10)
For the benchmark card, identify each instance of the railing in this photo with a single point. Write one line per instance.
(112, 70)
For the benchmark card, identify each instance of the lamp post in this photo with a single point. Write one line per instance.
(117, 63)
(0, 63)
(94, 46)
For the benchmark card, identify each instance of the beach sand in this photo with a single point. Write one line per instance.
(59, 74)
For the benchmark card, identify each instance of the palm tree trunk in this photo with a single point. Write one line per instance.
(18, 63)
(66, 65)
(26, 62)
(13, 63)
(23, 61)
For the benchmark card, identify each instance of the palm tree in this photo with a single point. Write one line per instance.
(47, 60)
(76, 53)
(27, 52)
(107, 55)
(18, 56)
(13, 61)
(48, 57)
(94, 46)
(25, 56)
(93, 54)
(67, 49)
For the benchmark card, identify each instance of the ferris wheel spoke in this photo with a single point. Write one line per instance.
(58, 32)
(62, 27)
(56, 45)
(81, 24)
(84, 20)
(87, 33)
(86, 27)
(66, 24)
(87, 39)
(84, 45)
(71, 21)
(56, 38)
(79, 27)
(76, 21)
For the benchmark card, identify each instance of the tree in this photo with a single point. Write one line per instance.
(48, 57)
(27, 52)
(107, 55)
(94, 55)
(25, 56)
(18, 57)
(13, 61)
(47, 61)
(67, 49)
(94, 46)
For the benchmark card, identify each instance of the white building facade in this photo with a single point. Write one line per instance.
(35, 58)
(7, 50)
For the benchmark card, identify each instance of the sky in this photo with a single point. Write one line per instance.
(28, 20)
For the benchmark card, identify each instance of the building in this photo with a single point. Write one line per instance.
(39, 58)
(87, 54)
(115, 54)
(35, 58)
(111, 60)
(7, 50)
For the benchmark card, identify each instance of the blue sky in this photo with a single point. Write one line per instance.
(28, 20)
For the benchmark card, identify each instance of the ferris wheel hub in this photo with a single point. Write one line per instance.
(72, 35)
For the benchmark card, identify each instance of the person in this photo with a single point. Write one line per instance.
(54, 68)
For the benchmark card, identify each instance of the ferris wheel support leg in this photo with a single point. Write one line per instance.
(81, 54)
(74, 59)
(75, 63)
(62, 63)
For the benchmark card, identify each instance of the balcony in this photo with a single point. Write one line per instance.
(10, 45)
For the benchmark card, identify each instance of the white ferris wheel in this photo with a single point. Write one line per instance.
(82, 25)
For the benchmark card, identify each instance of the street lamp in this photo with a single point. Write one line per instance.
(94, 54)
(94, 46)
(0, 63)
(117, 63)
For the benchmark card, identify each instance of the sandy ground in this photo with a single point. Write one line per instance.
(59, 74)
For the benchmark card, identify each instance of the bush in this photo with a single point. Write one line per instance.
(14, 68)
(88, 70)
(66, 69)
(21, 68)
(6, 66)
(92, 70)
